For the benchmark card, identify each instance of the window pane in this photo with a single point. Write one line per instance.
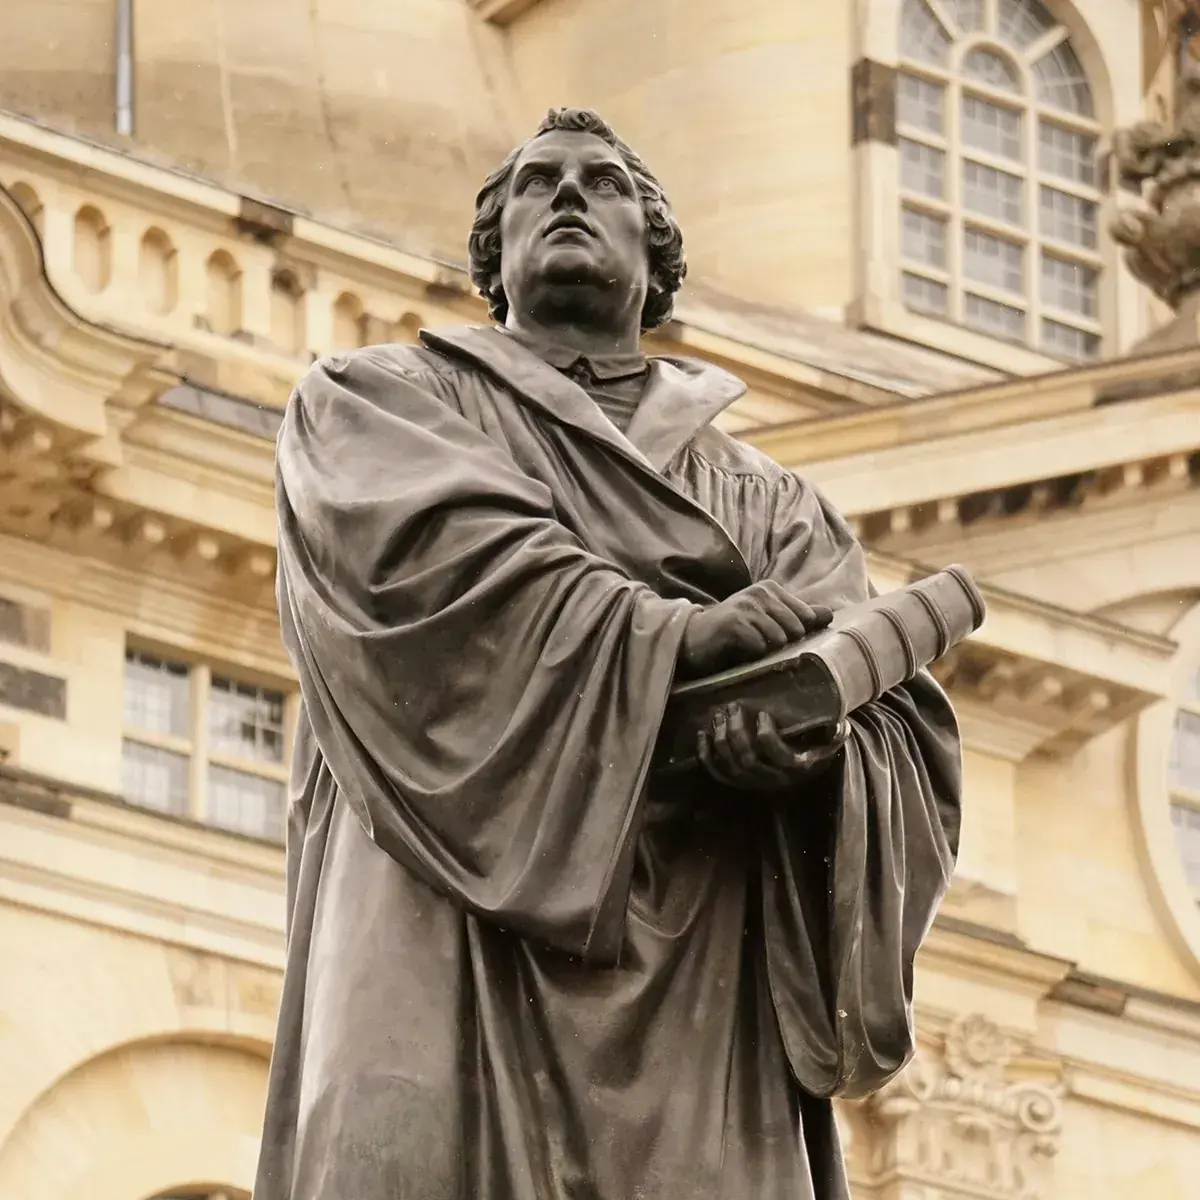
(1184, 765)
(1022, 22)
(993, 193)
(1069, 285)
(922, 169)
(246, 803)
(966, 14)
(991, 127)
(993, 260)
(154, 778)
(156, 695)
(921, 103)
(1065, 341)
(921, 34)
(923, 238)
(1187, 834)
(245, 721)
(1067, 218)
(988, 316)
(1067, 154)
(986, 67)
(1060, 81)
(925, 295)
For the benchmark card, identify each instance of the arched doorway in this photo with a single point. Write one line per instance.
(152, 1120)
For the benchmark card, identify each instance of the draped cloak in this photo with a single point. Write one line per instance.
(519, 967)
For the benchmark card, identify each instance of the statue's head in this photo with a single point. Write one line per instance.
(572, 219)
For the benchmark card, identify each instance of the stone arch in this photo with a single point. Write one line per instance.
(158, 271)
(93, 249)
(149, 1118)
(223, 302)
(1157, 843)
(879, 34)
(407, 327)
(349, 322)
(289, 330)
(30, 204)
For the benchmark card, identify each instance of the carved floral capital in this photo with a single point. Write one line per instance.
(961, 1121)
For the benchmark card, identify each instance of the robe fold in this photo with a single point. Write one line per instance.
(519, 966)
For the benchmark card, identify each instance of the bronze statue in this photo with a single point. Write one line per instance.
(521, 965)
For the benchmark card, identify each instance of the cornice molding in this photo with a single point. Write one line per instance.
(1139, 443)
(67, 851)
(154, 593)
(1039, 679)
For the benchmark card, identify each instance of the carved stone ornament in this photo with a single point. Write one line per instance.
(1162, 238)
(963, 1125)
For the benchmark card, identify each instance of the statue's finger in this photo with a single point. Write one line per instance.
(741, 741)
(771, 745)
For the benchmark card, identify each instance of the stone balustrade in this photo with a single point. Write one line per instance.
(223, 279)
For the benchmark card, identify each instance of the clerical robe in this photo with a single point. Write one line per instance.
(520, 966)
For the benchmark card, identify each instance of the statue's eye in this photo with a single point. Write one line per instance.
(606, 183)
(536, 183)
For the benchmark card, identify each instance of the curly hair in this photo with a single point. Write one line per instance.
(664, 241)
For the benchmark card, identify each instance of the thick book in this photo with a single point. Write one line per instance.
(867, 650)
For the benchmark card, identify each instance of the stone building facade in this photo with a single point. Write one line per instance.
(898, 216)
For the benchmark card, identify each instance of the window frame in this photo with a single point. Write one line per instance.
(1180, 795)
(1174, 898)
(195, 747)
(881, 265)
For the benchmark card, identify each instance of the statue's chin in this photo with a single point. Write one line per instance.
(571, 266)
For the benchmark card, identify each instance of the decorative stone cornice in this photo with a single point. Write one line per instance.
(934, 479)
(1038, 679)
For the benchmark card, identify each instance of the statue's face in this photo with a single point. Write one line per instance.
(572, 221)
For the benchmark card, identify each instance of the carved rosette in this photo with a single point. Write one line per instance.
(961, 1124)
(1162, 238)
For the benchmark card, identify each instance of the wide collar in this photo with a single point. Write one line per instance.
(601, 367)
(682, 395)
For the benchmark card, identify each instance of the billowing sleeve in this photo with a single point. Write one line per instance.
(855, 862)
(484, 690)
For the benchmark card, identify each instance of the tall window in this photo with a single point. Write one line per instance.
(1183, 774)
(998, 175)
(200, 744)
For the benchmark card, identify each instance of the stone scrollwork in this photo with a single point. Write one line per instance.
(963, 1123)
(1162, 238)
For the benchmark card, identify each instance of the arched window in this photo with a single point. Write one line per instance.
(349, 324)
(223, 304)
(93, 249)
(158, 272)
(998, 176)
(1183, 778)
(288, 324)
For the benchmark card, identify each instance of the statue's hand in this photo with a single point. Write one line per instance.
(745, 627)
(752, 755)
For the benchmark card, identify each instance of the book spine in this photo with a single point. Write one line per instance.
(903, 632)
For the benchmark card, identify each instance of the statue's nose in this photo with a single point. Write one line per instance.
(568, 194)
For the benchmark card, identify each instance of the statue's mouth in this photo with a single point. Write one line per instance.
(568, 222)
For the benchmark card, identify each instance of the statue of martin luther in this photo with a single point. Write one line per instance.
(519, 966)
